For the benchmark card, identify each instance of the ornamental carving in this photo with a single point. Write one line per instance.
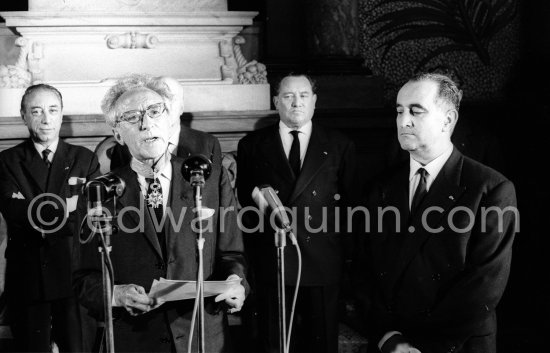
(131, 40)
(237, 68)
(28, 68)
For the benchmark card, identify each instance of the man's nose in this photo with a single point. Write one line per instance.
(404, 120)
(146, 122)
(46, 117)
(297, 101)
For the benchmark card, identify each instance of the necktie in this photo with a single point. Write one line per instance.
(156, 208)
(45, 155)
(421, 190)
(294, 155)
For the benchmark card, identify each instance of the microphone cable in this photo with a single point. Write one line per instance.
(295, 297)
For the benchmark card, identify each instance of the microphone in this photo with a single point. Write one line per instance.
(102, 189)
(196, 170)
(268, 202)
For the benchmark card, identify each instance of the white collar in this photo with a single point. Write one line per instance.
(52, 147)
(434, 167)
(305, 129)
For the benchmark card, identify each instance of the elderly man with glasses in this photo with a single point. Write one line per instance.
(137, 108)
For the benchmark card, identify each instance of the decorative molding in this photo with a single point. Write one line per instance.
(131, 40)
(236, 68)
(17, 76)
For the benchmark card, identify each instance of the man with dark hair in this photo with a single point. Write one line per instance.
(312, 170)
(35, 175)
(439, 259)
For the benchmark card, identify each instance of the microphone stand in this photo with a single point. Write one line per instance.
(280, 243)
(105, 249)
(107, 290)
(196, 169)
(197, 184)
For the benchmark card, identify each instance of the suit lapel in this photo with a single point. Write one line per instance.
(34, 167)
(396, 194)
(181, 200)
(133, 197)
(60, 168)
(443, 195)
(316, 155)
(273, 153)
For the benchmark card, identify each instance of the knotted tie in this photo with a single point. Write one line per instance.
(45, 155)
(294, 155)
(154, 201)
(421, 190)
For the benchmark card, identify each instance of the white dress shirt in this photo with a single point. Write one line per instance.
(433, 168)
(164, 178)
(303, 136)
(52, 147)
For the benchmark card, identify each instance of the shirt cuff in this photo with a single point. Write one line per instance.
(113, 303)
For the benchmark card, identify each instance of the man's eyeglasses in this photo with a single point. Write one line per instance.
(153, 111)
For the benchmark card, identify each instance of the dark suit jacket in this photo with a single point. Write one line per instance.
(39, 268)
(137, 259)
(324, 184)
(440, 288)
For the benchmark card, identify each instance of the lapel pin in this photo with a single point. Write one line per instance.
(325, 153)
(451, 197)
(67, 168)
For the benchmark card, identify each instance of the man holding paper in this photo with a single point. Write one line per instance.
(156, 236)
(39, 181)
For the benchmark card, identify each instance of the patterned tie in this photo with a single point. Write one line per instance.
(45, 155)
(294, 155)
(421, 190)
(156, 208)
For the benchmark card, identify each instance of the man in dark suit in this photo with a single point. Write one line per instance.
(312, 170)
(440, 258)
(34, 174)
(138, 111)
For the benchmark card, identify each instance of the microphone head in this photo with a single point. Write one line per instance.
(269, 204)
(260, 200)
(105, 187)
(196, 169)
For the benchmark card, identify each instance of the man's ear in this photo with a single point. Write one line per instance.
(275, 101)
(451, 117)
(23, 117)
(314, 99)
(117, 137)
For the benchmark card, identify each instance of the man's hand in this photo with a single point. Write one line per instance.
(234, 296)
(133, 298)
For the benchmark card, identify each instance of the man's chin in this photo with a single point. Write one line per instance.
(406, 146)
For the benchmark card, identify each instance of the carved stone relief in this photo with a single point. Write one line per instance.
(236, 68)
(131, 40)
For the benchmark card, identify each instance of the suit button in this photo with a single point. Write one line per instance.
(436, 277)
(45, 264)
(314, 193)
(308, 238)
(276, 191)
